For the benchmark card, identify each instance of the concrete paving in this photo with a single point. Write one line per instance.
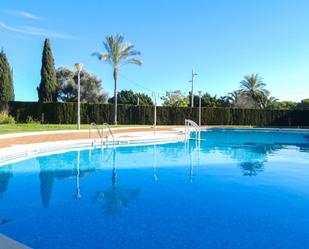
(8, 243)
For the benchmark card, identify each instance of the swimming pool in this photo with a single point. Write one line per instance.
(232, 189)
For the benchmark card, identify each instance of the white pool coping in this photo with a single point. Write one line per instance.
(16, 153)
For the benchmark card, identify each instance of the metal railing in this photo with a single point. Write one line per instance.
(110, 132)
(101, 134)
(190, 123)
(93, 124)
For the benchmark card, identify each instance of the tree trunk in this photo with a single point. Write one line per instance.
(115, 95)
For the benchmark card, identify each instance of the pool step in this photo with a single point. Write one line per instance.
(7, 243)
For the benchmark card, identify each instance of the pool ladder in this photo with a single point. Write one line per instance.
(101, 134)
(190, 123)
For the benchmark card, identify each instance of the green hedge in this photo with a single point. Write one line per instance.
(65, 113)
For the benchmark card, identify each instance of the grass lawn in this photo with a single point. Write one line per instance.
(15, 128)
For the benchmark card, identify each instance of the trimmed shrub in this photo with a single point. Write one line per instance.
(30, 120)
(66, 113)
(6, 119)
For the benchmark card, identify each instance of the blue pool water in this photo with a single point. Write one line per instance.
(234, 189)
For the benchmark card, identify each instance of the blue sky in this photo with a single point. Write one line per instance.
(222, 40)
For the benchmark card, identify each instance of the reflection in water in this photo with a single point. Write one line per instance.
(4, 221)
(5, 175)
(115, 198)
(191, 165)
(304, 148)
(260, 154)
(46, 186)
(252, 168)
(251, 151)
(155, 162)
(126, 178)
(190, 149)
(78, 194)
(250, 156)
(60, 167)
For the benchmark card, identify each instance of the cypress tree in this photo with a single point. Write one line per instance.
(47, 90)
(6, 79)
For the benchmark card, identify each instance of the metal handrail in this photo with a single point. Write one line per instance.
(97, 128)
(196, 127)
(110, 131)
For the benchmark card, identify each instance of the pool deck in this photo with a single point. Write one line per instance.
(65, 135)
(8, 243)
(20, 146)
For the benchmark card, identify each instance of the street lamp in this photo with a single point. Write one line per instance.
(192, 87)
(79, 68)
(155, 113)
(200, 108)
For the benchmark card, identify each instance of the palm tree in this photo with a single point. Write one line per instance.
(118, 53)
(233, 97)
(270, 102)
(254, 87)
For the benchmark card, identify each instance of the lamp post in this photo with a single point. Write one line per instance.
(192, 87)
(79, 68)
(155, 113)
(200, 108)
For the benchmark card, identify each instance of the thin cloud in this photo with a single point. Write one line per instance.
(35, 31)
(28, 15)
(25, 14)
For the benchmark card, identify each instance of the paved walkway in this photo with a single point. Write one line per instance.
(69, 135)
(8, 243)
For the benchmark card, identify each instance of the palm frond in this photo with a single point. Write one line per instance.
(134, 53)
(107, 47)
(127, 52)
(133, 61)
(101, 56)
(117, 52)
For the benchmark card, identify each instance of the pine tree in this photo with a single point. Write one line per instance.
(47, 90)
(6, 79)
